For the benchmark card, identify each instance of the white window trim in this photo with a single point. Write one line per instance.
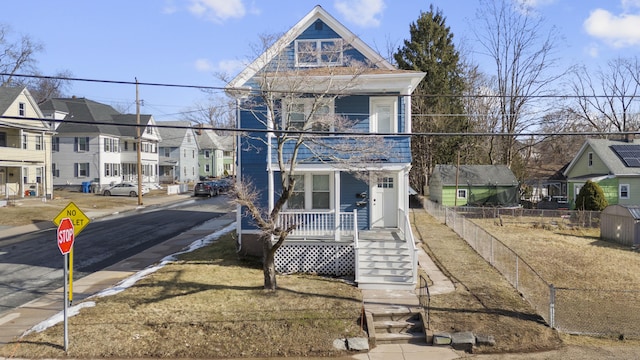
(308, 104)
(319, 61)
(308, 192)
(590, 159)
(628, 191)
(374, 101)
(463, 191)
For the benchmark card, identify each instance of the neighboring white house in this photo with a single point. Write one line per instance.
(97, 144)
(25, 146)
(178, 152)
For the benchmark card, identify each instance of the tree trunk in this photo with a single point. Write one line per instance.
(269, 265)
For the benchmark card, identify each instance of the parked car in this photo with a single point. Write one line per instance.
(224, 184)
(206, 188)
(124, 189)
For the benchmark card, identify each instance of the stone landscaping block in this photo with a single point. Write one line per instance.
(340, 344)
(358, 343)
(463, 340)
(442, 339)
(487, 340)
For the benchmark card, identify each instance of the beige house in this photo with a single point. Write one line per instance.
(25, 146)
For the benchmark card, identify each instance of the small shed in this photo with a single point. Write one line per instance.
(621, 224)
(474, 185)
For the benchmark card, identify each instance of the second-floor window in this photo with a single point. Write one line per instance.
(3, 139)
(207, 154)
(82, 144)
(308, 114)
(55, 144)
(38, 142)
(25, 142)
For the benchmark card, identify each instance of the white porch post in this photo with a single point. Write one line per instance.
(407, 112)
(336, 204)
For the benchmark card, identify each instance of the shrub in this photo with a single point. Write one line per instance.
(591, 197)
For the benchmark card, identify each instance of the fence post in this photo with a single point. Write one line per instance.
(517, 271)
(552, 306)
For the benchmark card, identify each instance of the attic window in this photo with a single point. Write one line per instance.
(319, 52)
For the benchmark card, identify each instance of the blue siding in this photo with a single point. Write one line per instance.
(356, 109)
(349, 187)
(253, 157)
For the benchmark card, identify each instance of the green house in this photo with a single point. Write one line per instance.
(612, 164)
(473, 185)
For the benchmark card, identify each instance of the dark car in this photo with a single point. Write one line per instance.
(224, 185)
(206, 188)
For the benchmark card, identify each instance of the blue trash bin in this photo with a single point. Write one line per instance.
(86, 185)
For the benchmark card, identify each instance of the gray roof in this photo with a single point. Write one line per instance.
(94, 117)
(7, 96)
(209, 140)
(227, 142)
(173, 136)
(476, 175)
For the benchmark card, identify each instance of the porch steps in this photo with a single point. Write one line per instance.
(384, 261)
(398, 327)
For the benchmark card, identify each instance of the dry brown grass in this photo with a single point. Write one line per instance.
(208, 305)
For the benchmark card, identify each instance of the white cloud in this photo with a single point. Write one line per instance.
(169, 7)
(365, 13)
(231, 67)
(217, 10)
(203, 65)
(616, 30)
(627, 5)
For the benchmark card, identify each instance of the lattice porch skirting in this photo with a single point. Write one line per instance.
(314, 257)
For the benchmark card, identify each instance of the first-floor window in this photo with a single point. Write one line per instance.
(462, 193)
(107, 169)
(82, 169)
(311, 191)
(320, 197)
(296, 201)
(54, 170)
(207, 168)
(624, 191)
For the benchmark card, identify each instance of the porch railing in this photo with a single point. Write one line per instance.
(320, 223)
(405, 227)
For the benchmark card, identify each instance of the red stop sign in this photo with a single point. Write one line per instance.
(65, 235)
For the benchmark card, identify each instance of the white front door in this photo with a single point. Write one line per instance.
(384, 202)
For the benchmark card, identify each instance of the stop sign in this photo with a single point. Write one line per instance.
(65, 235)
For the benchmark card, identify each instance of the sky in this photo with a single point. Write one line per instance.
(188, 42)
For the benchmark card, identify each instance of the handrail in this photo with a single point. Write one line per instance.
(408, 237)
(355, 244)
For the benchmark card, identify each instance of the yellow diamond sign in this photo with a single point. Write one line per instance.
(78, 218)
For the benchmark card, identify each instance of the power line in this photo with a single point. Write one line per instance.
(327, 133)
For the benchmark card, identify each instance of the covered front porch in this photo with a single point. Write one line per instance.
(332, 243)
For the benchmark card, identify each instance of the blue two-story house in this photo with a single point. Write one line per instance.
(344, 113)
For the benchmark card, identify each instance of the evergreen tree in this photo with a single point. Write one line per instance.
(436, 103)
(591, 197)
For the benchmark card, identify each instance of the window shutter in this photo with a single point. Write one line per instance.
(75, 145)
(75, 166)
(87, 140)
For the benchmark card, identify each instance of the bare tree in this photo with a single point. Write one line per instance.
(18, 58)
(215, 112)
(607, 102)
(295, 106)
(514, 37)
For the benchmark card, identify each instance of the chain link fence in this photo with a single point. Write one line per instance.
(576, 311)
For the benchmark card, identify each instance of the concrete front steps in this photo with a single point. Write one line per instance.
(384, 261)
(396, 325)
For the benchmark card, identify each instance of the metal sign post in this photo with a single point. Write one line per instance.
(65, 239)
(66, 302)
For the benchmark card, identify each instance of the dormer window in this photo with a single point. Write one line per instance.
(318, 52)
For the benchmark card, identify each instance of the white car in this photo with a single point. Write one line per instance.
(124, 189)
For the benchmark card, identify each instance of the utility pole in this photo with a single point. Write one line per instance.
(139, 145)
